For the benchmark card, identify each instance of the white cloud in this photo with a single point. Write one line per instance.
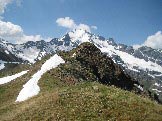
(7, 29)
(153, 41)
(48, 39)
(69, 23)
(12, 32)
(83, 27)
(24, 38)
(3, 5)
(66, 22)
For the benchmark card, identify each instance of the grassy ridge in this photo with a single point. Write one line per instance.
(69, 92)
(82, 101)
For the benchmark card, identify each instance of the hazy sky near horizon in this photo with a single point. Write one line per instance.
(127, 21)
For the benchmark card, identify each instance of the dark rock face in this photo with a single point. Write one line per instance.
(88, 63)
(106, 71)
(8, 57)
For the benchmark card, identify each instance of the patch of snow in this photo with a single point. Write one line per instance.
(142, 53)
(113, 60)
(131, 68)
(2, 66)
(31, 88)
(10, 48)
(85, 38)
(62, 39)
(158, 74)
(10, 78)
(41, 54)
(157, 90)
(118, 47)
(14, 62)
(139, 87)
(151, 75)
(156, 84)
(74, 54)
(39, 58)
(7, 52)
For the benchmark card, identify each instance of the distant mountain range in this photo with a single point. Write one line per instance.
(143, 64)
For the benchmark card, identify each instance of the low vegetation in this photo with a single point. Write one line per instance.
(66, 94)
(82, 101)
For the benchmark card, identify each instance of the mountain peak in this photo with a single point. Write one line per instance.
(132, 61)
(79, 34)
(3, 41)
(103, 69)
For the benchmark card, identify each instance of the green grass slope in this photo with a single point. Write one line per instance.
(80, 101)
(66, 94)
(83, 101)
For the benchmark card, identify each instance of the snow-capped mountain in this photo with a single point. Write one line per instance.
(144, 64)
(7, 56)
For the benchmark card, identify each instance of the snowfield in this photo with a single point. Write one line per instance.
(131, 60)
(31, 88)
(2, 66)
(10, 78)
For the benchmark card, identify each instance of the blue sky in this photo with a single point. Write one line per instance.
(127, 21)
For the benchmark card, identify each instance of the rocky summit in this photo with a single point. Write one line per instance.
(103, 67)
